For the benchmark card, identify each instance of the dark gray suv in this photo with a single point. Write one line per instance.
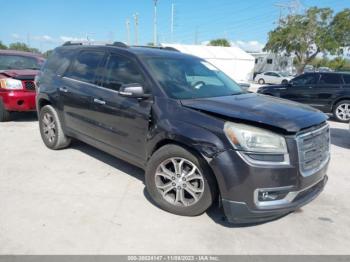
(198, 136)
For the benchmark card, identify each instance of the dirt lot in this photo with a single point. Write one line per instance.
(83, 201)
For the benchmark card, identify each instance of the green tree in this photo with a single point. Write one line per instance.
(309, 34)
(219, 42)
(23, 47)
(47, 53)
(337, 63)
(2, 46)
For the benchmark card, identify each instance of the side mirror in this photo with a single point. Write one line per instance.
(132, 90)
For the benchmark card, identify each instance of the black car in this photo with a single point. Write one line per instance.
(326, 91)
(197, 135)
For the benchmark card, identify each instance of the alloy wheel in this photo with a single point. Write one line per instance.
(49, 127)
(343, 112)
(179, 181)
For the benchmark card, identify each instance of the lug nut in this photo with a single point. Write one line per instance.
(173, 178)
(173, 184)
(184, 179)
(184, 185)
(178, 187)
(178, 175)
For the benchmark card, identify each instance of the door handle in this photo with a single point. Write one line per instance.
(99, 101)
(63, 89)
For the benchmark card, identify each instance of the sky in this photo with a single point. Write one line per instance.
(45, 24)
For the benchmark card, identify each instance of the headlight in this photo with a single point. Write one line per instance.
(12, 84)
(253, 139)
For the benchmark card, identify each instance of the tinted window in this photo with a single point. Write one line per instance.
(307, 79)
(269, 61)
(86, 66)
(58, 62)
(19, 62)
(347, 78)
(330, 79)
(119, 71)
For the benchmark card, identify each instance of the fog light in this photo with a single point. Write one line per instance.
(271, 195)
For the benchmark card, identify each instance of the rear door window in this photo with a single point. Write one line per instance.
(346, 79)
(86, 66)
(307, 79)
(120, 70)
(332, 79)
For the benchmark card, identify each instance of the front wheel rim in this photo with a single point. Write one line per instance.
(179, 181)
(343, 112)
(49, 127)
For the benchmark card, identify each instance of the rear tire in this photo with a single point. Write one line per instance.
(4, 114)
(177, 189)
(261, 81)
(341, 111)
(51, 129)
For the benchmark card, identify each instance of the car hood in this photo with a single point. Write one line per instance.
(25, 74)
(267, 110)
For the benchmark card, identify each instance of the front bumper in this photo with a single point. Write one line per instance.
(20, 100)
(239, 213)
(239, 183)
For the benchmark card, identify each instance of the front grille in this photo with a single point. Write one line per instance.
(29, 85)
(313, 149)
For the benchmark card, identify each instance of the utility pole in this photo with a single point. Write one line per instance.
(155, 23)
(172, 22)
(292, 6)
(127, 24)
(196, 36)
(136, 24)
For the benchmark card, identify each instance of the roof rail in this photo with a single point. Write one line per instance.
(118, 44)
(159, 47)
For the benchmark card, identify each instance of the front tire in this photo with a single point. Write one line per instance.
(51, 129)
(341, 111)
(4, 114)
(180, 182)
(261, 81)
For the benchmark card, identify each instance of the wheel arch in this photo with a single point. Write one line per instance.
(339, 100)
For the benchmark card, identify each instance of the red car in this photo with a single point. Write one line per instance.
(17, 88)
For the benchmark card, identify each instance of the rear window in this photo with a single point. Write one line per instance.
(19, 62)
(333, 79)
(346, 78)
(86, 66)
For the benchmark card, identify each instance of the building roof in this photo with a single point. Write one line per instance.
(212, 52)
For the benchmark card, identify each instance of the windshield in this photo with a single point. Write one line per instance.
(18, 62)
(191, 78)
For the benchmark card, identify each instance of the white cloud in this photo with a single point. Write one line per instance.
(15, 36)
(70, 38)
(250, 46)
(44, 38)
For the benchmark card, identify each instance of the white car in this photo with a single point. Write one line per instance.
(273, 77)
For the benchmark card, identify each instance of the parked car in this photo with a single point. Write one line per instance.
(324, 69)
(328, 92)
(272, 77)
(17, 89)
(198, 136)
